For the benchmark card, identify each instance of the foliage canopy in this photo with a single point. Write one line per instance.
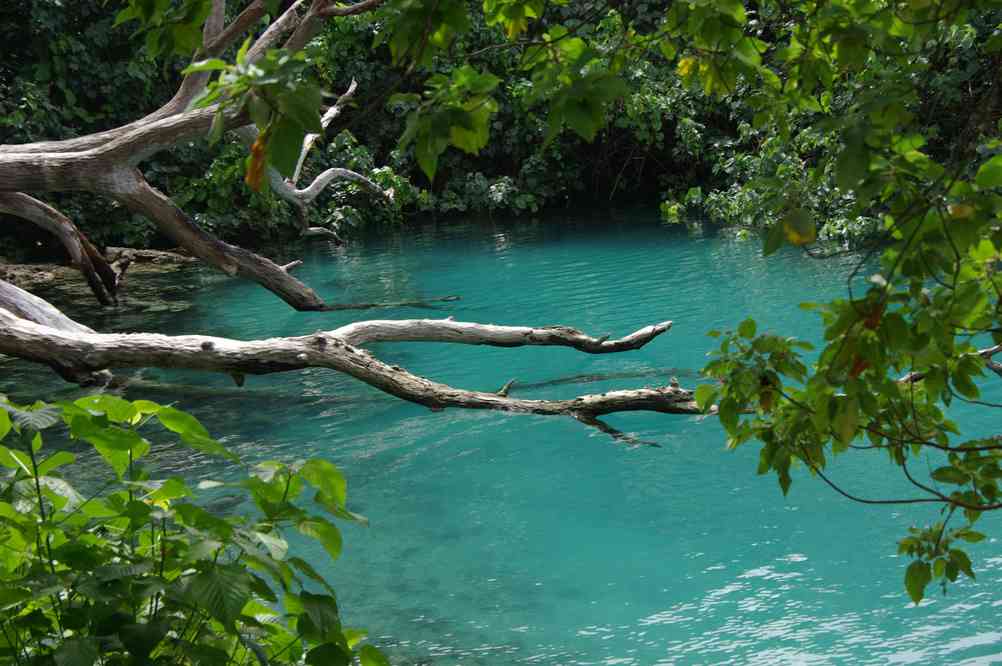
(871, 122)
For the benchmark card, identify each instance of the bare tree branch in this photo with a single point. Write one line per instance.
(78, 352)
(333, 8)
(99, 275)
(458, 332)
(173, 222)
(325, 122)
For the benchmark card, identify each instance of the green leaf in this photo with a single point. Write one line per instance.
(327, 478)
(115, 408)
(917, 576)
(222, 591)
(323, 613)
(798, 226)
(38, 417)
(705, 395)
(853, 162)
(210, 65)
(964, 385)
(846, 421)
(141, 639)
(747, 328)
(307, 570)
(217, 127)
(112, 442)
(951, 475)
(329, 654)
(276, 545)
(171, 489)
(773, 239)
(728, 414)
(959, 558)
(327, 534)
(260, 111)
(302, 107)
(371, 656)
(195, 516)
(192, 432)
(5, 425)
(990, 173)
(970, 536)
(77, 652)
(285, 145)
(57, 459)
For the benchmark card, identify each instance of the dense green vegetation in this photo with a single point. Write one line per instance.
(133, 569)
(662, 139)
(860, 122)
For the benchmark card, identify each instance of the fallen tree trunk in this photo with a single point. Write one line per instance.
(77, 351)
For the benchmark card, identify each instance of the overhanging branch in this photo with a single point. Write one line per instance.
(83, 351)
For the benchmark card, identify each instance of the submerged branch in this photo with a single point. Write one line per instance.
(82, 351)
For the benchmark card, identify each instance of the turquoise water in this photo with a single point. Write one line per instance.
(499, 539)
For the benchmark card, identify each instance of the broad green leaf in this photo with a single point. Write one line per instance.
(54, 461)
(371, 656)
(192, 432)
(77, 652)
(210, 65)
(846, 420)
(276, 545)
(171, 489)
(950, 475)
(221, 590)
(327, 534)
(38, 417)
(959, 558)
(141, 639)
(285, 145)
(302, 107)
(117, 409)
(747, 328)
(329, 654)
(327, 478)
(798, 225)
(773, 239)
(307, 570)
(705, 395)
(970, 536)
(323, 613)
(917, 576)
(112, 442)
(990, 173)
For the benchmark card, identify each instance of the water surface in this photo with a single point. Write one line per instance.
(501, 539)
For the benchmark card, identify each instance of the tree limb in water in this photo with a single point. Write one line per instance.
(80, 352)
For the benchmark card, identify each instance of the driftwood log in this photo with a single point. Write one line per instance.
(33, 329)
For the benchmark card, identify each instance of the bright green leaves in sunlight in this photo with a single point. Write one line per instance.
(582, 105)
(936, 557)
(279, 97)
(578, 83)
(417, 30)
(455, 110)
(513, 15)
(140, 569)
(990, 173)
(169, 28)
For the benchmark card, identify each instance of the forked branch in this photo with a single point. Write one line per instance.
(83, 351)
